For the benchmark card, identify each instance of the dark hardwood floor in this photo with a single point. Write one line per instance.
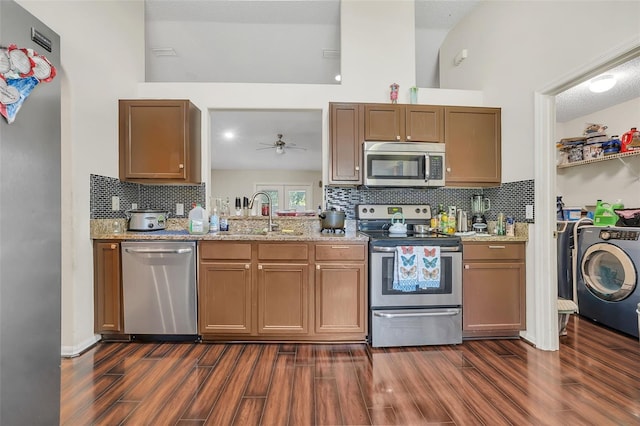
(593, 380)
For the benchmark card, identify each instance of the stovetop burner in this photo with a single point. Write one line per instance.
(337, 231)
(374, 221)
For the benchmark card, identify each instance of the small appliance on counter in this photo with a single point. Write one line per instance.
(479, 205)
(146, 219)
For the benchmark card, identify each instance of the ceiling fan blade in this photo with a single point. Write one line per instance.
(296, 147)
(268, 144)
(260, 149)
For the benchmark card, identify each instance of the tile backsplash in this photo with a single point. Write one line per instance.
(510, 198)
(164, 197)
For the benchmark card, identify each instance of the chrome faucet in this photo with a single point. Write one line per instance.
(272, 226)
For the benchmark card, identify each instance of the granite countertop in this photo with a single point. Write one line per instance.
(241, 229)
(252, 229)
(521, 234)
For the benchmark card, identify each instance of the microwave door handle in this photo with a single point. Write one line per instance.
(427, 172)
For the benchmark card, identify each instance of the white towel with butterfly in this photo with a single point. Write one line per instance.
(416, 267)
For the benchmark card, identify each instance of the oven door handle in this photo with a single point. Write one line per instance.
(447, 313)
(393, 249)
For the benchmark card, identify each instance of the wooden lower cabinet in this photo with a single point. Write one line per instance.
(224, 291)
(107, 293)
(493, 280)
(282, 291)
(283, 298)
(340, 298)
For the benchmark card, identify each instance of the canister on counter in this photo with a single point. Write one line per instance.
(510, 227)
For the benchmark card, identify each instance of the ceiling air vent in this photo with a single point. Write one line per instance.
(330, 54)
(163, 51)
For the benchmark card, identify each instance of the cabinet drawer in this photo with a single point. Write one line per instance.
(340, 252)
(275, 251)
(495, 250)
(225, 250)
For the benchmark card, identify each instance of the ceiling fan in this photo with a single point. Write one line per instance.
(279, 145)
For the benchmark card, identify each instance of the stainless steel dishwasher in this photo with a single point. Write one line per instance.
(159, 287)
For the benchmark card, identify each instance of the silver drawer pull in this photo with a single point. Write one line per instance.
(340, 247)
(177, 251)
(497, 247)
(448, 313)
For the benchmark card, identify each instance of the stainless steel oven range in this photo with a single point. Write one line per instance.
(411, 316)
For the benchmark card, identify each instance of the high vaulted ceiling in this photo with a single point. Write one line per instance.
(253, 40)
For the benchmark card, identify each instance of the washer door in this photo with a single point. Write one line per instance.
(608, 272)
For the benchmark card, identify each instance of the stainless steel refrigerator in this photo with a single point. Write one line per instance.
(30, 246)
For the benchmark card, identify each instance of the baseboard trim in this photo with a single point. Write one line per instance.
(77, 350)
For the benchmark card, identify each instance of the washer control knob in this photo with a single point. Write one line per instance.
(417, 210)
(605, 235)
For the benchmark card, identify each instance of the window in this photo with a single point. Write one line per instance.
(287, 197)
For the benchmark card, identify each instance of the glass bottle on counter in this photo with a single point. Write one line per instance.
(224, 216)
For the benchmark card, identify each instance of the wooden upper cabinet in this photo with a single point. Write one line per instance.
(473, 146)
(346, 124)
(383, 122)
(159, 141)
(424, 123)
(404, 123)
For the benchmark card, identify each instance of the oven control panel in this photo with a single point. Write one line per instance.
(386, 211)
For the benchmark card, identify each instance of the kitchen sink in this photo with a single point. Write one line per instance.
(257, 232)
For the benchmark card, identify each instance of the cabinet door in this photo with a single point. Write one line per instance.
(493, 296)
(383, 122)
(473, 147)
(224, 298)
(159, 141)
(108, 316)
(346, 137)
(340, 305)
(283, 298)
(424, 123)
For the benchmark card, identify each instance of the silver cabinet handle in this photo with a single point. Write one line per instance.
(246, 266)
(357, 168)
(448, 313)
(318, 267)
(176, 251)
(497, 247)
(259, 266)
(339, 247)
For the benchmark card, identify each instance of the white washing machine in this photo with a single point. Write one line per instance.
(607, 276)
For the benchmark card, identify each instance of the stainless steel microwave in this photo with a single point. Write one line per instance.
(409, 164)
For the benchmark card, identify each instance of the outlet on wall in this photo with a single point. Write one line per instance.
(115, 203)
(179, 209)
(528, 211)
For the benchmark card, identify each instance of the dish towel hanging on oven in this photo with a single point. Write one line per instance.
(416, 267)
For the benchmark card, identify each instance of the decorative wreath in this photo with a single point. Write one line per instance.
(21, 70)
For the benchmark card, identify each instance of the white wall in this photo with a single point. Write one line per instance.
(102, 60)
(510, 53)
(607, 180)
(515, 50)
(241, 183)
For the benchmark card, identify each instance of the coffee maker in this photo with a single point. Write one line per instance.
(479, 205)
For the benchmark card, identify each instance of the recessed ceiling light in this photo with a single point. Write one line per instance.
(338, 77)
(602, 83)
(229, 135)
